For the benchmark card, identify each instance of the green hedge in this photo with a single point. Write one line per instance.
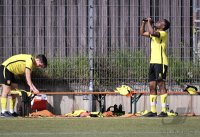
(119, 67)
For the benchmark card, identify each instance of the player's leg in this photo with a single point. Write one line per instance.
(153, 92)
(162, 71)
(4, 97)
(14, 87)
(5, 80)
(153, 96)
(13, 100)
(163, 98)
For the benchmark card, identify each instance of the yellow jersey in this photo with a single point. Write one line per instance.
(18, 63)
(158, 49)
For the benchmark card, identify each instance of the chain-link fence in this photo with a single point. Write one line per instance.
(98, 41)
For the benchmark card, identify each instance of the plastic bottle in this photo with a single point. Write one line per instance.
(120, 108)
(115, 108)
(167, 107)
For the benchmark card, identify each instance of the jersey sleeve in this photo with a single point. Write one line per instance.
(162, 34)
(29, 63)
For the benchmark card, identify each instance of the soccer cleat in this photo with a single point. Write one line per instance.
(163, 114)
(6, 114)
(14, 114)
(150, 114)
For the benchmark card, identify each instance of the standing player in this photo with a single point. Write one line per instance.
(158, 62)
(17, 65)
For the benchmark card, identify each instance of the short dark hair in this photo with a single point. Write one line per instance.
(167, 24)
(43, 59)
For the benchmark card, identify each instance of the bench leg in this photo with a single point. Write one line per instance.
(134, 100)
(102, 102)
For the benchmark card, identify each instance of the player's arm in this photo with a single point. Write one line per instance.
(143, 32)
(151, 31)
(29, 81)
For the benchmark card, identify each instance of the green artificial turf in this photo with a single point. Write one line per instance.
(100, 127)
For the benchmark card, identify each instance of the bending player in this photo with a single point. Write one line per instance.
(17, 65)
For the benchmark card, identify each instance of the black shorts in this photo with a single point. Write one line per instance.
(157, 72)
(6, 77)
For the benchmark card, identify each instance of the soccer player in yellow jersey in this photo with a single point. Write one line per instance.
(17, 65)
(158, 62)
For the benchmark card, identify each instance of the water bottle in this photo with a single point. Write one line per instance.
(120, 108)
(167, 107)
(20, 110)
(115, 108)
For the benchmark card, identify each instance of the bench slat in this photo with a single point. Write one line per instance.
(109, 93)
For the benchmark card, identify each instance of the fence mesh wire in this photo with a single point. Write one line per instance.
(59, 29)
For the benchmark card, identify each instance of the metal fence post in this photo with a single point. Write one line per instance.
(90, 48)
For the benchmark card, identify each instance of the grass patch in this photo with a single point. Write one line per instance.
(100, 127)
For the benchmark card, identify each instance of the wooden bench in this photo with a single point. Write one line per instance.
(136, 96)
(101, 95)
